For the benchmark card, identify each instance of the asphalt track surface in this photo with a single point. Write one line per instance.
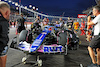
(75, 58)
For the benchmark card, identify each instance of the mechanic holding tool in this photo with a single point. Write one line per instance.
(4, 25)
(95, 42)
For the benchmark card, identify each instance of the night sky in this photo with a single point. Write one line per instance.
(58, 7)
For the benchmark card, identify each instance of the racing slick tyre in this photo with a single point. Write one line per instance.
(23, 35)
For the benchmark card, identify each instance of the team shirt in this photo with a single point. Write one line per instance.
(96, 21)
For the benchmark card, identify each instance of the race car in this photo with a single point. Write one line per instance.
(47, 42)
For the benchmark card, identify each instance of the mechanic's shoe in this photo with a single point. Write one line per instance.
(93, 65)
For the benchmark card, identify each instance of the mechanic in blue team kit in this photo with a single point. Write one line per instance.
(60, 21)
(4, 25)
(57, 24)
(95, 42)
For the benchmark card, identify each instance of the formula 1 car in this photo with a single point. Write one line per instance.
(47, 42)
